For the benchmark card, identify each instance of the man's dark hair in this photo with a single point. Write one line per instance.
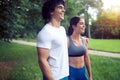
(49, 7)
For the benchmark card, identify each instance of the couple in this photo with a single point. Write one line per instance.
(54, 47)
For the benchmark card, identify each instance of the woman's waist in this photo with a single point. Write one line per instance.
(77, 65)
(76, 62)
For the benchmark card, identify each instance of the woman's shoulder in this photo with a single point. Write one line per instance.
(85, 39)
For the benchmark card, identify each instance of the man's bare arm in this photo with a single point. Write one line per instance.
(43, 55)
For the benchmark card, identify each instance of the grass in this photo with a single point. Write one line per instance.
(19, 62)
(105, 68)
(109, 45)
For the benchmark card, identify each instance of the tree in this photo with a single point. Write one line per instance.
(107, 26)
(95, 4)
(19, 18)
(22, 18)
(7, 30)
(78, 7)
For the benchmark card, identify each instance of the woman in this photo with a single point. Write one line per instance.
(52, 42)
(78, 50)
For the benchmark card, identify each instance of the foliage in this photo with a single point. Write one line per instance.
(22, 18)
(19, 18)
(73, 8)
(107, 26)
(7, 30)
(94, 4)
(79, 8)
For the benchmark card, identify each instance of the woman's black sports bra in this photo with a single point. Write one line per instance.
(76, 51)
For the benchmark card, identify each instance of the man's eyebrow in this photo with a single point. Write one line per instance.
(61, 6)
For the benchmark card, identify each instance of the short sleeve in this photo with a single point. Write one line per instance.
(44, 39)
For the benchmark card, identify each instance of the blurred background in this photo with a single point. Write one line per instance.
(22, 18)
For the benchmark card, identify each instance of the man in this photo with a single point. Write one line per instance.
(52, 42)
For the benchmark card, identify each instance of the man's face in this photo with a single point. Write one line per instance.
(58, 13)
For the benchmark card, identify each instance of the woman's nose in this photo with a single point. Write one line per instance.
(84, 25)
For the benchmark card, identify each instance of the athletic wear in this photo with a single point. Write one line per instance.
(55, 39)
(75, 51)
(65, 78)
(77, 73)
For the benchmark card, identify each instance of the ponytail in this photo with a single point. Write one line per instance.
(70, 31)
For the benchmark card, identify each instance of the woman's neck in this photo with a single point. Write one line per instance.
(76, 37)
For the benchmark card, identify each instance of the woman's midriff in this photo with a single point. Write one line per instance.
(76, 62)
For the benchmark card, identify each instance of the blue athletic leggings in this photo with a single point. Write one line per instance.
(65, 78)
(77, 73)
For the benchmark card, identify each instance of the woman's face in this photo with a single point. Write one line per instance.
(58, 13)
(80, 27)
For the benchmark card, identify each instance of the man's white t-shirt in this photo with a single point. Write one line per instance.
(55, 39)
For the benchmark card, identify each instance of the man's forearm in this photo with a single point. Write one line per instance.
(45, 68)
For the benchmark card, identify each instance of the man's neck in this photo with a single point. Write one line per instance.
(55, 23)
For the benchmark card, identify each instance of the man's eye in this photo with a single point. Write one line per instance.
(81, 23)
(60, 7)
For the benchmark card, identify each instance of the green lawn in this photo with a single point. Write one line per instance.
(19, 62)
(109, 45)
(105, 68)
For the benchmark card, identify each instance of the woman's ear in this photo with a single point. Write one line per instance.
(73, 26)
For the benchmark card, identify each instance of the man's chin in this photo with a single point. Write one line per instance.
(61, 19)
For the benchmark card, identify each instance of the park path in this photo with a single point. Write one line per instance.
(93, 52)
